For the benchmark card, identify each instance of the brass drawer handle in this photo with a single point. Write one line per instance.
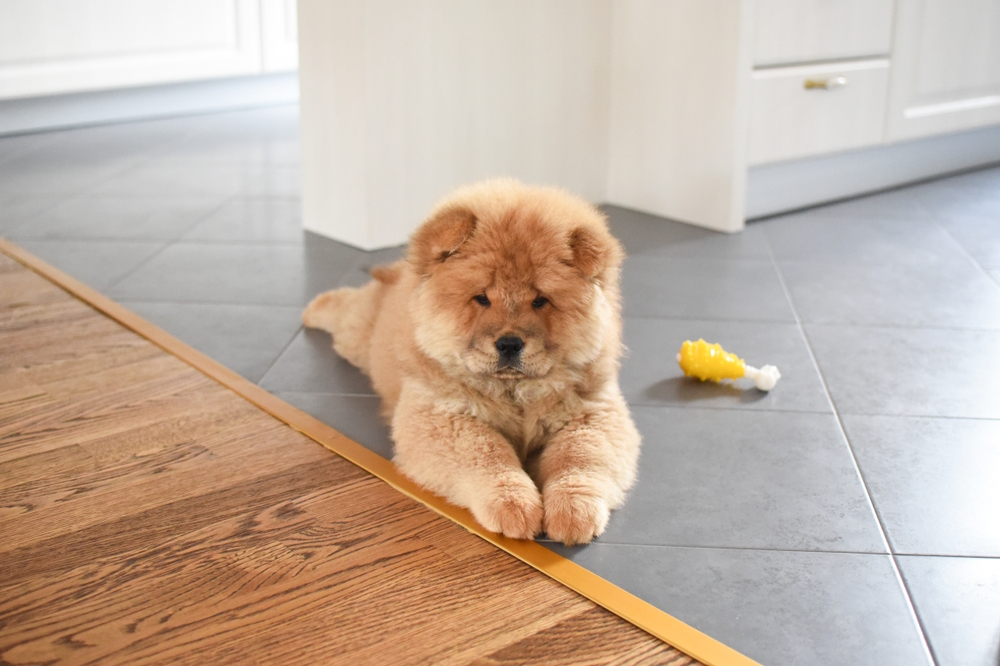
(826, 84)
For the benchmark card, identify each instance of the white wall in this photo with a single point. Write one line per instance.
(403, 101)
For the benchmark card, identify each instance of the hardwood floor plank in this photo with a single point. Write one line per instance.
(151, 516)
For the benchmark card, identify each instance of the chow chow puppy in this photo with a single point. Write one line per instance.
(495, 347)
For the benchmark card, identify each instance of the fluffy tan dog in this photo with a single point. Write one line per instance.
(495, 348)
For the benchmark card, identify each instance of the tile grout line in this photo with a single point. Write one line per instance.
(166, 244)
(965, 251)
(280, 354)
(678, 407)
(782, 550)
(894, 327)
(301, 328)
(914, 616)
(248, 304)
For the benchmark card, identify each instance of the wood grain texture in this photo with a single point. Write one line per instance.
(150, 515)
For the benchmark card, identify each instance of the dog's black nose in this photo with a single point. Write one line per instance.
(510, 347)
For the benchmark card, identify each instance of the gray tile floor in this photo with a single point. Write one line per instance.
(852, 515)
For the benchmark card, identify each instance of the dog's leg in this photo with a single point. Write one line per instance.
(467, 462)
(585, 471)
(349, 315)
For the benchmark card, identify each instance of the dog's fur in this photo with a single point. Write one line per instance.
(541, 439)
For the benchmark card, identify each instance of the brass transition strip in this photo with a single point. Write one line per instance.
(669, 629)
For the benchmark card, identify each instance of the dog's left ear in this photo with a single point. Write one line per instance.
(594, 251)
(440, 237)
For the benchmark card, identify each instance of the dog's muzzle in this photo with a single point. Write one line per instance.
(509, 348)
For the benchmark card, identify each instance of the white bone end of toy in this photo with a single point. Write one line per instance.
(765, 378)
(678, 357)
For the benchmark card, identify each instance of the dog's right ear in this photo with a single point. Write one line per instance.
(440, 237)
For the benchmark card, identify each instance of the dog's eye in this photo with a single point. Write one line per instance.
(482, 300)
(539, 302)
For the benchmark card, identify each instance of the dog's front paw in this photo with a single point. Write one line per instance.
(513, 510)
(573, 515)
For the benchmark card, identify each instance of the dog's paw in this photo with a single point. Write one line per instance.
(317, 313)
(514, 511)
(574, 516)
(312, 316)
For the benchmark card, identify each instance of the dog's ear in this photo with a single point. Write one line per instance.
(440, 237)
(594, 251)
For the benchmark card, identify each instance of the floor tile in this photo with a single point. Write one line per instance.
(248, 154)
(949, 295)
(278, 125)
(957, 600)
(746, 290)
(13, 147)
(808, 237)
(91, 151)
(55, 177)
(643, 234)
(988, 177)
(933, 481)
(17, 210)
(245, 338)
(259, 137)
(743, 479)
(909, 371)
(98, 264)
(253, 221)
(650, 374)
(226, 273)
(778, 608)
(357, 417)
(120, 218)
(228, 180)
(135, 139)
(77, 159)
(331, 264)
(955, 199)
(979, 235)
(310, 365)
(896, 204)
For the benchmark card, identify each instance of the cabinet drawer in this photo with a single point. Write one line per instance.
(789, 119)
(799, 31)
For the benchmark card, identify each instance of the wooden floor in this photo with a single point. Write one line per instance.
(150, 515)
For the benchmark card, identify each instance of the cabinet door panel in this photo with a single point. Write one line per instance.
(49, 46)
(799, 31)
(789, 120)
(946, 67)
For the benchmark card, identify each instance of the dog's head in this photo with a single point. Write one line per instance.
(515, 281)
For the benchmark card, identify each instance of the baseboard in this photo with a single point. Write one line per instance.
(34, 114)
(777, 188)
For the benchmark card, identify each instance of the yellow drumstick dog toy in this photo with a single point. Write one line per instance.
(705, 361)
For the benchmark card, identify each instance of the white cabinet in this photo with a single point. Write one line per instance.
(675, 107)
(946, 61)
(829, 93)
(58, 46)
(896, 70)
